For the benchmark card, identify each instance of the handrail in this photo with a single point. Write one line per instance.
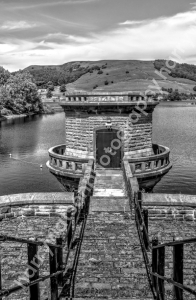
(177, 284)
(56, 253)
(52, 153)
(166, 151)
(158, 260)
(5, 238)
(140, 221)
(178, 242)
(7, 292)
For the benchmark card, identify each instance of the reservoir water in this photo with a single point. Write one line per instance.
(28, 140)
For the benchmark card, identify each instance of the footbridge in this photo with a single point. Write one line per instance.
(113, 245)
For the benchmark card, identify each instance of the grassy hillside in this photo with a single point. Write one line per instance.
(109, 75)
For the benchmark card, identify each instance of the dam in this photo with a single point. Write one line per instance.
(108, 236)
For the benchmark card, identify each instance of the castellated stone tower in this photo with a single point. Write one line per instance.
(108, 128)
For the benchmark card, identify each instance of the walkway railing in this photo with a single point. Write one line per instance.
(63, 163)
(106, 97)
(59, 273)
(148, 164)
(156, 269)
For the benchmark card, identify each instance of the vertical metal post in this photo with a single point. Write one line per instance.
(53, 269)
(33, 264)
(76, 215)
(59, 241)
(145, 216)
(140, 199)
(69, 227)
(161, 271)
(178, 251)
(155, 266)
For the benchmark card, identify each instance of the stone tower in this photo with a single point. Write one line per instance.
(106, 127)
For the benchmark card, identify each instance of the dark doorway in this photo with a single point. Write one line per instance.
(108, 148)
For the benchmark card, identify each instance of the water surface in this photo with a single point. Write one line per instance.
(28, 140)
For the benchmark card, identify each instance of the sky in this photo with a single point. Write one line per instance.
(53, 32)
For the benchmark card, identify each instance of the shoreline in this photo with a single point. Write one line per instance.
(12, 117)
(15, 116)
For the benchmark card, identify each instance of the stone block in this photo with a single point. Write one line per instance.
(5, 209)
(189, 217)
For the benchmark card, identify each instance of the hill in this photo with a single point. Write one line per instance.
(114, 75)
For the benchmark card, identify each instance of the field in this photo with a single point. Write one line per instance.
(129, 76)
(113, 75)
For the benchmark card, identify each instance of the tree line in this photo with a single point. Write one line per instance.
(18, 93)
(180, 70)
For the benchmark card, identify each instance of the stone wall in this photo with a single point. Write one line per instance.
(36, 216)
(170, 207)
(174, 217)
(80, 131)
(167, 230)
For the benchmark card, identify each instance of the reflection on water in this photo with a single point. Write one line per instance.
(175, 127)
(28, 139)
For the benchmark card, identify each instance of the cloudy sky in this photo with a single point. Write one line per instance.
(55, 32)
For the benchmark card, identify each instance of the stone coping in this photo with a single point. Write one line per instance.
(65, 198)
(169, 200)
(105, 103)
(63, 172)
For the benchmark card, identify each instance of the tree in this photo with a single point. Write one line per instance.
(4, 75)
(49, 94)
(20, 94)
(51, 88)
(194, 89)
(63, 88)
(174, 96)
(49, 83)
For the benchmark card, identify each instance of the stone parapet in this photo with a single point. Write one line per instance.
(170, 207)
(35, 204)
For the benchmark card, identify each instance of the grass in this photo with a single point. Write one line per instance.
(130, 76)
(122, 75)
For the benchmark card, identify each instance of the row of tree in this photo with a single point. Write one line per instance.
(174, 95)
(18, 93)
(63, 74)
(180, 70)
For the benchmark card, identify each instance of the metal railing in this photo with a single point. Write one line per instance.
(156, 269)
(59, 272)
(57, 266)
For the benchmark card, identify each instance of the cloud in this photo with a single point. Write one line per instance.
(11, 25)
(61, 38)
(194, 5)
(146, 40)
(131, 22)
(69, 23)
(48, 4)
